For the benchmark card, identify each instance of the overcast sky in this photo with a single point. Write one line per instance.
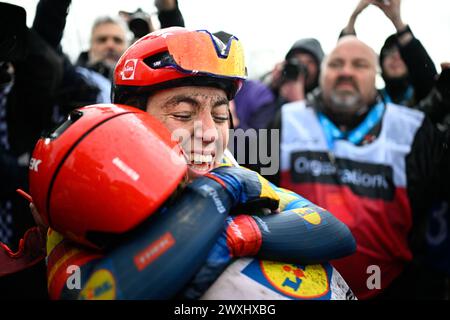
(268, 28)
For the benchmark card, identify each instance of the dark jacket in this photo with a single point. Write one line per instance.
(250, 105)
(29, 104)
(437, 104)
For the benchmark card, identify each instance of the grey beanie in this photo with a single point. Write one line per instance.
(307, 45)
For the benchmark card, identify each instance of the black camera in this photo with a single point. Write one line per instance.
(292, 69)
(138, 22)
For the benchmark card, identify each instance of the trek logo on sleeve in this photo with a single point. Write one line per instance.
(365, 179)
(34, 164)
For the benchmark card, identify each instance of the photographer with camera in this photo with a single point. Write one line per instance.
(304, 58)
(290, 81)
(298, 74)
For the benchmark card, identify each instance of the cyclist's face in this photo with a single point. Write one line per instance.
(198, 118)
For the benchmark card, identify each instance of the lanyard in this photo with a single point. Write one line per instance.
(406, 96)
(355, 135)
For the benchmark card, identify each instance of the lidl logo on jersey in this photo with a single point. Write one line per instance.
(309, 214)
(101, 286)
(311, 282)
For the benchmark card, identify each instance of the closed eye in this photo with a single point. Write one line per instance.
(182, 116)
(221, 118)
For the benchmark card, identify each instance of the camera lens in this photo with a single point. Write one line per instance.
(292, 69)
(139, 23)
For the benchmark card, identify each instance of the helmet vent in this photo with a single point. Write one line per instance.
(73, 116)
(159, 60)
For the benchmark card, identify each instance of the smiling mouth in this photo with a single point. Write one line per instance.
(200, 163)
(196, 158)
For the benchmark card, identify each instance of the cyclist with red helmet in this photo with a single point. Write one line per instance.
(184, 79)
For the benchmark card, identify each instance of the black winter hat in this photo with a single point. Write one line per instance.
(390, 43)
(307, 45)
(13, 32)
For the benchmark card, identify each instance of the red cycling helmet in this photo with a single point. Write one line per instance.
(103, 171)
(175, 57)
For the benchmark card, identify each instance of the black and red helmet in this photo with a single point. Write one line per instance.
(175, 57)
(103, 171)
